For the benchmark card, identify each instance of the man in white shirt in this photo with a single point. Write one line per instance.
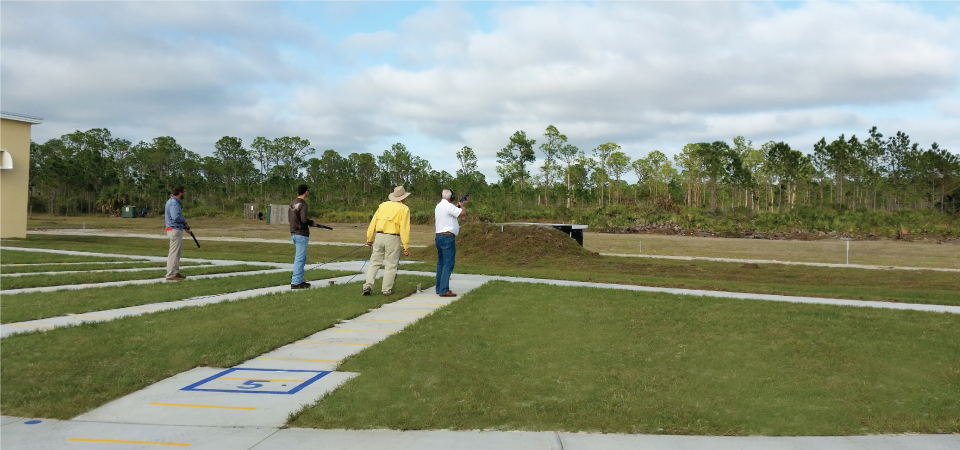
(446, 215)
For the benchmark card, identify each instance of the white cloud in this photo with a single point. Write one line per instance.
(646, 75)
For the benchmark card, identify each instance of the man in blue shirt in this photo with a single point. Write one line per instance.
(176, 224)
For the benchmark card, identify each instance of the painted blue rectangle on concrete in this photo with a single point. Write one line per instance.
(258, 381)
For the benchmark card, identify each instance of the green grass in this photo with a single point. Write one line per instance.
(60, 267)
(39, 305)
(239, 251)
(29, 281)
(515, 356)
(930, 287)
(65, 372)
(21, 257)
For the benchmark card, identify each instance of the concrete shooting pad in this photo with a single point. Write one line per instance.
(51, 434)
(214, 397)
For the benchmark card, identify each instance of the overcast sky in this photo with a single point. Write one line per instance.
(360, 76)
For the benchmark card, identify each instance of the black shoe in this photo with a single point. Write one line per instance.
(300, 286)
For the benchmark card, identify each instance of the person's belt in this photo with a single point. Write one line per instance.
(391, 234)
(445, 232)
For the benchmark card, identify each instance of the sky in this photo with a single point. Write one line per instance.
(361, 76)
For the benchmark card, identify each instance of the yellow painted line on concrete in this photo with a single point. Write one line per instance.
(91, 317)
(408, 312)
(363, 331)
(328, 343)
(380, 320)
(298, 359)
(28, 325)
(203, 406)
(117, 441)
(259, 379)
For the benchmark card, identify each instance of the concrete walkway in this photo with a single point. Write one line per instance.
(69, 263)
(67, 272)
(217, 262)
(51, 323)
(65, 287)
(789, 263)
(55, 434)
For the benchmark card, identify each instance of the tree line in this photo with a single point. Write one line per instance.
(94, 172)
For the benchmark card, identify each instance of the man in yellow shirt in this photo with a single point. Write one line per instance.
(391, 226)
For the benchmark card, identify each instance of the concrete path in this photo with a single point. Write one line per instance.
(47, 434)
(791, 263)
(352, 265)
(217, 262)
(64, 287)
(70, 263)
(66, 272)
(51, 323)
(106, 233)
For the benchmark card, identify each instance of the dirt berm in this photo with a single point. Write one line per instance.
(480, 243)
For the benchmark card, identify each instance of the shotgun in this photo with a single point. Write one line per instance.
(194, 238)
(467, 195)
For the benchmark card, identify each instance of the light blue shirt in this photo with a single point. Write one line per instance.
(173, 214)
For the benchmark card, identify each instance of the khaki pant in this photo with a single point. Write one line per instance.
(386, 249)
(176, 248)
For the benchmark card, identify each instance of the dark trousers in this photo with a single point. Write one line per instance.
(446, 257)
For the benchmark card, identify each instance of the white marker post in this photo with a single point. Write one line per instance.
(641, 246)
(848, 252)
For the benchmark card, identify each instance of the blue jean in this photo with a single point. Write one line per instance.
(301, 257)
(446, 257)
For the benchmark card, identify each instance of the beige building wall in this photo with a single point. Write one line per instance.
(14, 182)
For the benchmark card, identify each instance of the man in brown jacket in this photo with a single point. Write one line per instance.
(300, 234)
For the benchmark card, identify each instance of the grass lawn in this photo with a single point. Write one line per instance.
(940, 288)
(60, 267)
(65, 372)
(19, 257)
(238, 251)
(29, 281)
(39, 305)
(530, 357)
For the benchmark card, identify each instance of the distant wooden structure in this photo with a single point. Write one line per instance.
(278, 213)
(250, 211)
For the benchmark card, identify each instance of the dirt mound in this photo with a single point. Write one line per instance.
(480, 243)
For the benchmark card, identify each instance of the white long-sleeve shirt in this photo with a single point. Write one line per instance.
(446, 215)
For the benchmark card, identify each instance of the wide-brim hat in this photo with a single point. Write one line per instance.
(399, 193)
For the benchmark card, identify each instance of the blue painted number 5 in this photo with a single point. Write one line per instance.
(252, 384)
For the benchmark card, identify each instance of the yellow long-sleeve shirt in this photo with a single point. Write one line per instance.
(392, 218)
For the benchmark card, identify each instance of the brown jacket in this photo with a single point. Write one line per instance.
(299, 222)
